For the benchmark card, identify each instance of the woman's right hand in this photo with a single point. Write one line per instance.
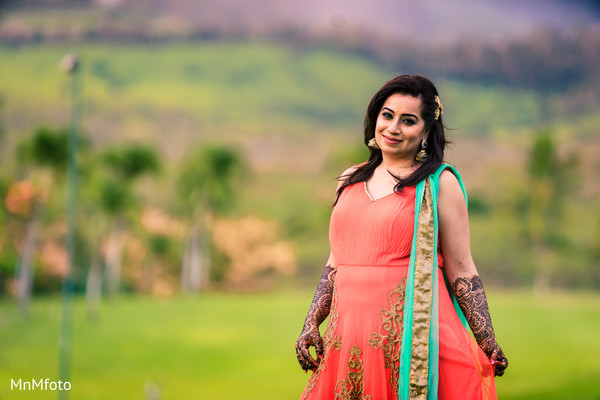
(318, 312)
(310, 336)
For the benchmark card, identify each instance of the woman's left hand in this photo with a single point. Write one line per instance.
(498, 359)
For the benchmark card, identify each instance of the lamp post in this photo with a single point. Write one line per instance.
(70, 65)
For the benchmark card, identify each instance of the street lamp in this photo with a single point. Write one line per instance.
(70, 65)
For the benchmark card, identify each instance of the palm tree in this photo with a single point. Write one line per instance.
(207, 186)
(6, 253)
(126, 165)
(43, 157)
(552, 180)
(102, 199)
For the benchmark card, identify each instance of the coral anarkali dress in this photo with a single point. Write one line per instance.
(371, 243)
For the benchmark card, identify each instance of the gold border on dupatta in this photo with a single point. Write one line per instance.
(424, 257)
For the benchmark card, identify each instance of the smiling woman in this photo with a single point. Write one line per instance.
(395, 330)
(399, 130)
(405, 117)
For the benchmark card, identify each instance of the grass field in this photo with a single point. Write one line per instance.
(240, 346)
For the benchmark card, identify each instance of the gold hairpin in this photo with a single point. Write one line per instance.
(440, 108)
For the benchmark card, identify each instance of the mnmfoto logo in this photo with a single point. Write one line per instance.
(42, 384)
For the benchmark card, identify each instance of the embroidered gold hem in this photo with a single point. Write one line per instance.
(389, 336)
(353, 387)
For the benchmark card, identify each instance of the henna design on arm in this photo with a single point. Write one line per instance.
(473, 303)
(318, 312)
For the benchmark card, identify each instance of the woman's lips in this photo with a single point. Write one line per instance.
(390, 140)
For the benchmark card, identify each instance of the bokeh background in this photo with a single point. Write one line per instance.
(208, 138)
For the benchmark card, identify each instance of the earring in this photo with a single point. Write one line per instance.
(373, 144)
(422, 155)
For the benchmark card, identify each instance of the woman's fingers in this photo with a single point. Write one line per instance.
(499, 362)
(319, 349)
(501, 365)
(307, 362)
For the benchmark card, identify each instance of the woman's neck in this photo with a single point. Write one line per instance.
(399, 167)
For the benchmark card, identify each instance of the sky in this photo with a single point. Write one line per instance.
(429, 20)
(443, 19)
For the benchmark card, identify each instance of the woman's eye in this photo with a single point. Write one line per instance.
(387, 115)
(408, 121)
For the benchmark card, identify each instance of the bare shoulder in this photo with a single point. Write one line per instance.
(450, 190)
(346, 174)
(448, 179)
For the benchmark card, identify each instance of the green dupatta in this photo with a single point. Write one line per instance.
(420, 337)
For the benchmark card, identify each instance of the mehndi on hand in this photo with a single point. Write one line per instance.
(319, 310)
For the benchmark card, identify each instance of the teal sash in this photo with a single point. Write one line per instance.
(420, 336)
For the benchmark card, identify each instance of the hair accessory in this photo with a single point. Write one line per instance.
(422, 155)
(373, 144)
(440, 108)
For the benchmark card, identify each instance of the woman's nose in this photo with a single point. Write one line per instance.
(394, 128)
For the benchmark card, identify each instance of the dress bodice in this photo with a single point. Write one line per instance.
(366, 232)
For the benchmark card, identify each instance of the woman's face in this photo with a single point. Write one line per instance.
(400, 128)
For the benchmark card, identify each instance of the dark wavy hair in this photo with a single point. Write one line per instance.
(412, 85)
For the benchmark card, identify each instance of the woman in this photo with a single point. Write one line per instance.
(395, 330)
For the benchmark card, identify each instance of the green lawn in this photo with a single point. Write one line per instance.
(240, 346)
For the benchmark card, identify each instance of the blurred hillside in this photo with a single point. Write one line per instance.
(291, 100)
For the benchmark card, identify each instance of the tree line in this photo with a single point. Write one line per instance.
(546, 60)
(538, 225)
(123, 241)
